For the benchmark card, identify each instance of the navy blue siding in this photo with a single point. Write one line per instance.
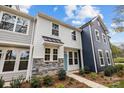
(100, 45)
(87, 49)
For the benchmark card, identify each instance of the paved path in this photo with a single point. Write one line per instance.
(86, 81)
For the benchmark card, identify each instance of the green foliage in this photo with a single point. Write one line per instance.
(119, 60)
(60, 86)
(35, 82)
(81, 71)
(86, 70)
(48, 81)
(16, 83)
(116, 51)
(120, 73)
(1, 82)
(93, 75)
(109, 71)
(119, 67)
(119, 84)
(62, 74)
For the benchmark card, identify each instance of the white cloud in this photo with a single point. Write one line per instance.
(55, 8)
(76, 22)
(24, 8)
(81, 13)
(69, 10)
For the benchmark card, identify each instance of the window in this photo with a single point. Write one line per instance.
(47, 54)
(104, 38)
(74, 35)
(70, 58)
(0, 54)
(24, 60)
(97, 35)
(76, 57)
(101, 58)
(55, 54)
(55, 29)
(98, 23)
(9, 6)
(7, 22)
(108, 58)
(10, 59)
(14, 23)
(22, 25)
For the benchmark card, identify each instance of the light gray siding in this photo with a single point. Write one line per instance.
(8, 36)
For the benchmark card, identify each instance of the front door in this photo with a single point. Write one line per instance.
(73, 60)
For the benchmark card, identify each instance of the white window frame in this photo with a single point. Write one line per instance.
(96, 35)
(100, 50)
(55, 29)
(27, 32)
(51, 54)
(108, 57)
(104, 38)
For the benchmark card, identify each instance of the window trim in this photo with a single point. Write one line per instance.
(108, 57)
(74, 35)
(13, 31)
(104, 37)
(55, 29)
(51, 54)
(96, 35)
(102, 57)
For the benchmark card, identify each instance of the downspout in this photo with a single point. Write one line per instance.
(30, 61)
(93, 49)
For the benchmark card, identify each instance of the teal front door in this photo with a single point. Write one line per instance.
(65, 61)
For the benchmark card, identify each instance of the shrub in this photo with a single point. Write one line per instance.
(35, 82)
(86, 69)
(109, 71)
(93, 75)
(62, 74)
(119, 60)
(16, 83)
(48, 81)
(120, 73)
(119, 67)
(1, 82)
(81, 72)
(60, 86)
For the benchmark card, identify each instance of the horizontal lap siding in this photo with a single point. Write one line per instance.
(8, 36)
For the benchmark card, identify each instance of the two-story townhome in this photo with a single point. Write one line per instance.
(56, 45)
(96, 46)
(16, 30)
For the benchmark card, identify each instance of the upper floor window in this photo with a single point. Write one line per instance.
(101, 57)
(55, 29)
(74, 35)
(104, 38)
(8, 5)
(97, 35)
(14, 23)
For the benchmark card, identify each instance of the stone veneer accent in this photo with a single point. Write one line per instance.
(46, 68)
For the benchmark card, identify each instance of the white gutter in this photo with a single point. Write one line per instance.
(30, 61)
(93, 48)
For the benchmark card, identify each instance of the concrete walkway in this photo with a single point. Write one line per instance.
(86, 81)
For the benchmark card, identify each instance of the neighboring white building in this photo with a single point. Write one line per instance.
(16, 30)
(56, 45)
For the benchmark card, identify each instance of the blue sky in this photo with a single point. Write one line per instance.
(78, 15)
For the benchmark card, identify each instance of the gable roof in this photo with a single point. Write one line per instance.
(92, 20)
(57, 21)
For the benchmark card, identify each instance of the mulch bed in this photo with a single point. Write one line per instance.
(104, 80)
(68, 83)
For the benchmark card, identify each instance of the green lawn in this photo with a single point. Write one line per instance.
(119, 84)
(119, 60)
